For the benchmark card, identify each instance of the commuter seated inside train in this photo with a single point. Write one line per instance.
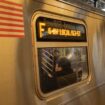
(64, 73)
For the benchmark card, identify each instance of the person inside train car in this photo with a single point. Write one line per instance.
(56, 56)
(64, 73)
(48, 79)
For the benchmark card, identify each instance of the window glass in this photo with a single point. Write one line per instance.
(60, 67)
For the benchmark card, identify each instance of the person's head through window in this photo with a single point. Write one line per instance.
(56, 54)
(63, 66)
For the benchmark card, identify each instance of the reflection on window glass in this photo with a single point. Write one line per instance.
(60, 67)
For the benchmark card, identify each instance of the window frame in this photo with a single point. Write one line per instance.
(37, 45)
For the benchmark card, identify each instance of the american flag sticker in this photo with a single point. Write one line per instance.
(11, 19)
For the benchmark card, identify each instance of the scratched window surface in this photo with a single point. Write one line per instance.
(61, 67)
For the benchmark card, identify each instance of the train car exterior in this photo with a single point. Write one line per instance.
(51, 53)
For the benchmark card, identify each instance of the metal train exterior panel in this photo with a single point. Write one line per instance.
(41, 38)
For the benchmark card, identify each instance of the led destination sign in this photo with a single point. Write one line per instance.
(56, 30)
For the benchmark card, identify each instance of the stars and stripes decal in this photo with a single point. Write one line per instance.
(11, 19)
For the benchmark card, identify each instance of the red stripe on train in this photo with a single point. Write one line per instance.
(10, 19)
(5, 35)
(11, 30)
(12, 3)
(10, 8)
(9, 24)
(12, 14)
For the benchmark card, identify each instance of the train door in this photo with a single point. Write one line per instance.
(61, 53)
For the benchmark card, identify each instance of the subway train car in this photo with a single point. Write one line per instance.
(51, 53)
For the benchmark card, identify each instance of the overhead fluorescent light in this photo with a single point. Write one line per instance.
(103, 9)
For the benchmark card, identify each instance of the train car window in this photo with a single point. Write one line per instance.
(60, 67)
(62, 48)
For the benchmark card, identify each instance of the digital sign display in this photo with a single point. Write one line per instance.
(48, 29)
